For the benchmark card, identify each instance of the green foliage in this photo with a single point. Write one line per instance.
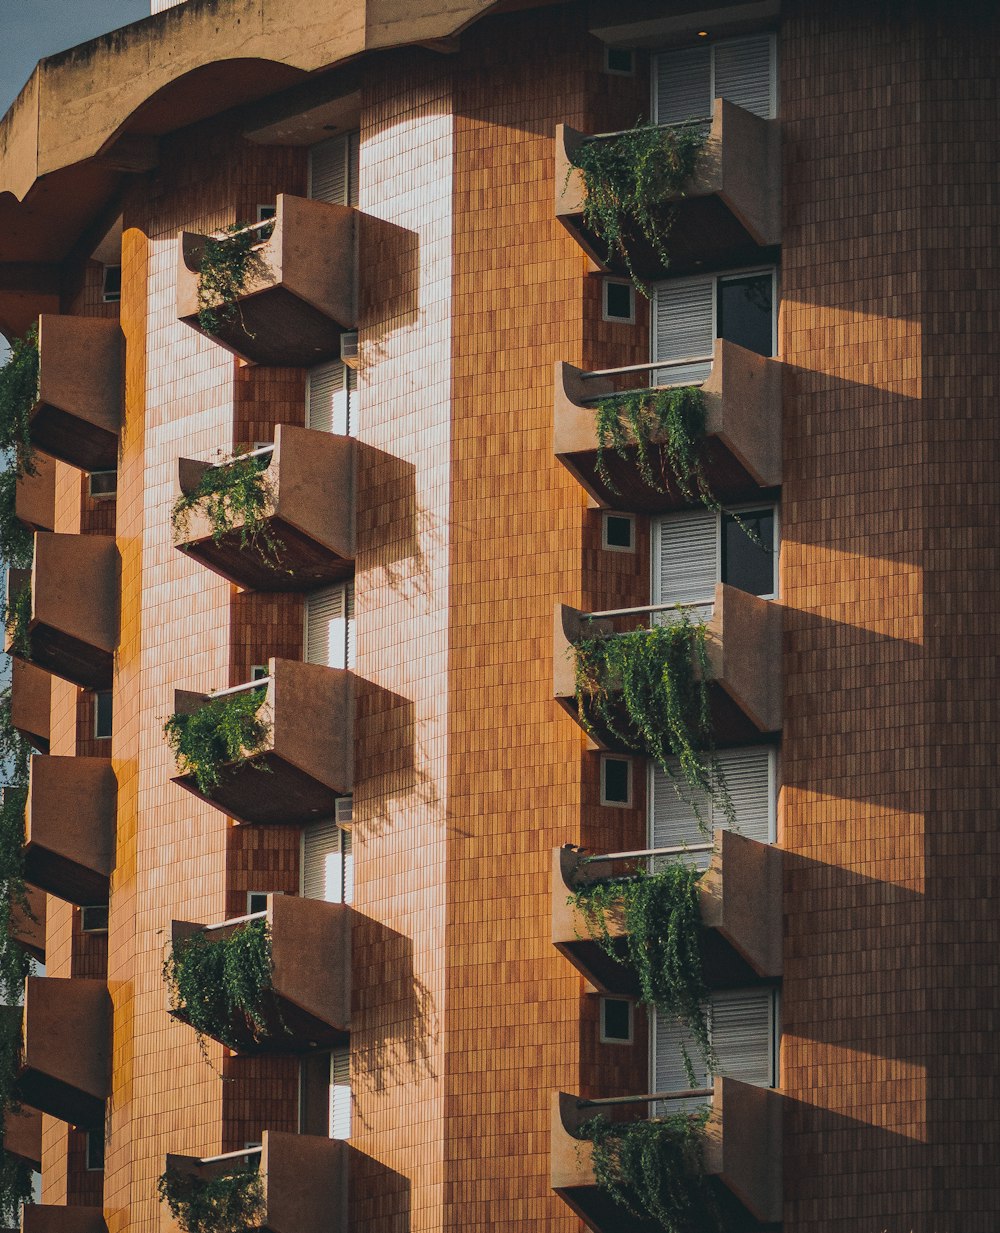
(659, 677)
(663, 943)
(18, 395)
(15, 1190)
(14, 961)
(631, 181)
(228, 265)
(228, 1204)
(218, 982)
(653, 1169)
(17, 619)
(237, 495)
(665, 425)
(16, 541)
(224, 733)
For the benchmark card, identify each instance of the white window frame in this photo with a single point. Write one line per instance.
(654, 556)
(615, 72)
(252, 894)
(102, 496)
(629, 518)
(84, 927)
(605, 314)
(266, 212)
(616, 1040)
(629, 803)
(717, 277)
(772, 67)
(103, 736)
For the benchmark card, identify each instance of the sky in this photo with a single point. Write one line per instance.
(31, 29)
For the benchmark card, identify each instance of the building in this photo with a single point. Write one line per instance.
(832, 282)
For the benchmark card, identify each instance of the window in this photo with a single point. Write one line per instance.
(619, 60)
(618, 532)
(94, 919)
(327, 864)
(256, 902)
(111, 285)
(331, 398)
(258, 672)
(340, 1094)
(95, 1149)
(694, 550)
(616, 781)
(688, 80)
(616, 1021)
(325, 1094)
(743, 1031)
(265, 212)
(102, 485)
(689, 314)
(103, 714)
(329, 633)
(619, 301)
(333, 170)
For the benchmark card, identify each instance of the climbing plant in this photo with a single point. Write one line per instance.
(223, 734)
(231, 1203)
(631, 183)
(14, 962)
(18, 395)
(237, 495)
(653, 1169)
(15, 1189)
(663, 941)
(228, 265)
(222, 984)
(17, 619)
(16, 541)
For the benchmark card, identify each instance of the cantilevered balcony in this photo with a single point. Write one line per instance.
(742, 447)
(307, 538)
(72, 631)
(741, 1157)
(22, 1136)
(31, 701)
(308, 1005)
(740, 901)
(60, 1218)
(35, 495)
(80, 391)
(729, 207)
(303, 1180)
(301, 290)
(67, 1040)
(743, 643)
(27, 922)
(70, 827)
(307, 757)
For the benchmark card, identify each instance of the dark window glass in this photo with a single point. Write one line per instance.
(103, 712)
(618, 531)
(617, 1019)
(95, 1149)
(619, 60)
(258, 901)
(112, 284)
(616, 776)
(94, 918)
(746, 312)
(619, 300)
(748, 559)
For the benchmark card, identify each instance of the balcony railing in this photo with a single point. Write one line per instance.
(308, 1004)
(303, 1180)
(729, 207)
(35, 495)
(742, 448)
(739, 898)
(67, 1044)
(741, 1153)
(307, 757)
(301, 291)
(306, 536)
(31, 702)
(27, 922)
(70, 827)
(80, 391)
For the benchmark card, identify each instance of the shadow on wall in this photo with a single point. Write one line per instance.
(391, 529)
(378, 1197)
(389, 292)
(385, 739)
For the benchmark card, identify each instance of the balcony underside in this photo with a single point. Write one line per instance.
(275, 327)
(31, 702)
(300, 564)
(35, 497)
(70, 439)
(287, 1029)
(268, 790)
(73, 659)
(67, 1036)
(22, 1136)
(27, 922)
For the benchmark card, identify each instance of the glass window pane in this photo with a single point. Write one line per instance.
(748, 561)
(746, 312)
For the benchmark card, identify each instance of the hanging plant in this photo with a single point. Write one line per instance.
(237, 495)
(664, 939)
(221, 982)
(15, 1189)
(231, 1203)
(14, 960)
(229, 264)
(222, 735)
(654, 1170)
(17, 619)
(631, 182)
(659, 678)
(18, 395)
(16, 541)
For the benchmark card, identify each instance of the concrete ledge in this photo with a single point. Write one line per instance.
(67, 1042)
(744, 652)
(22, 1136)
(31, 702)
(27, 922)
(70, 827)
(35, 495)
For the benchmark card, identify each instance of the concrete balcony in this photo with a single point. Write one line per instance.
(309, 1003)
(35, 495)
(742, 433)
(744, 654)
(80, 391)
(27, 922)
(741, 1157)
(301, 293)
(310, 520)
(22, 1136)
(70, 827)
(307, 759)
(67, 1042)
(55, 1218)
(740, 901)
(31, 702)
(729, 207)
(73, 629)
(303, 1179)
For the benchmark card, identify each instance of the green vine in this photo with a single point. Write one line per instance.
(231, 1203)
(659, 676)
(14, 960)
(661, 916)
(631, 181)
(16, 541)
(15, 1189)
(17, 619)
(219, 983)
(237, 495)
(654, 1170)
(18, 395)
(223, 734)
(228, 265)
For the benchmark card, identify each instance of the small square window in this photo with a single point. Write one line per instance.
(103, 713)
(95, 1150)
(616, 781)
(618, 532)
(111, 288)
(265, 212)
(94, 918)
(616, 1021)
(619, 302)
(258, 672)
(619, 60)
(256, 902)
(102, 485)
